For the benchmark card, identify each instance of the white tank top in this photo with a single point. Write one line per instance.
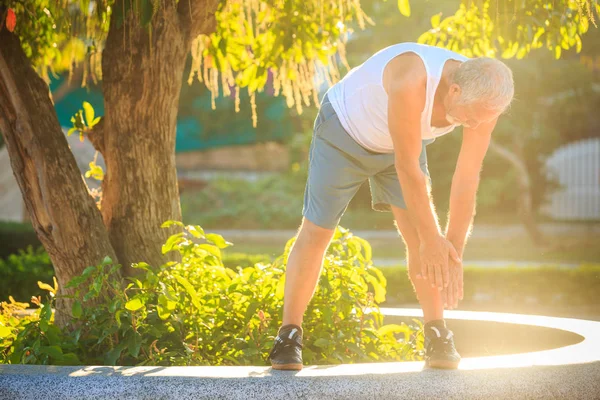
(361, 102)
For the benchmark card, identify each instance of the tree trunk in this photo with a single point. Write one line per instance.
(142, 72)
(62, 212)
(525, 197)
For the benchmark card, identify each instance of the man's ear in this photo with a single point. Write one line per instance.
(455, 90)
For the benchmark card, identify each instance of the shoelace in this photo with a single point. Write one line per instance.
(281, 343)
(442, 342)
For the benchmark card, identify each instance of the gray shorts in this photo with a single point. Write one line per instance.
(338, 166)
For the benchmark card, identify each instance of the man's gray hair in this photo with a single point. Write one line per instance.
(485, 81)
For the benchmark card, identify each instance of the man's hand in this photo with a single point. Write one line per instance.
(435, 255)
(454, 292)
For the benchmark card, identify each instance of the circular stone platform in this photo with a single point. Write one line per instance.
(565, 364)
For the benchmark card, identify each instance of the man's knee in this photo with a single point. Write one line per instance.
(311, 234)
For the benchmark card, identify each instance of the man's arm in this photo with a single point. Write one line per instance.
(406, 100)
(462, 200)
(465, 183)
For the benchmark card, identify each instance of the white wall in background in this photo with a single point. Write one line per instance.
(576, 167)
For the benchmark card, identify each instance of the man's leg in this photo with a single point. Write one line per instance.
(303, 270)
(438, 342)
(337, 167)
(430, 298)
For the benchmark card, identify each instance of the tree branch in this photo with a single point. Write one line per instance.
(198, 16)
(511, 157)
(96, 136)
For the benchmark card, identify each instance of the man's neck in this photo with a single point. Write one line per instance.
(447, 75)
(439, 113)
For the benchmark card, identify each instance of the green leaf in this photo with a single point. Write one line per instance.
(134, 304)
(211, 249)
(89, 113)
(113, 355)
(218, 240)
(248, 352)
(196, 231)
(112, 307)
(366, 246)
(86, 272)
(118, 317)
(52, 351)
(425, 37)
(189, 289)
(46, 312)
(5, 331)
(76, 281)
(393, 328)
(540, 31)
(134, 343)
(251, 311)
(165, 306)
(169, 223)
(279, 290)
(321, 342)
(53, 334)
(511, 51)
(68, 359)
(379, 289)
(76, 309)
(172, 241)
(435, 20)
(141, 265)
(404, 7)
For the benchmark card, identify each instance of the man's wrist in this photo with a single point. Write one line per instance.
(429, 235)
(459, 245)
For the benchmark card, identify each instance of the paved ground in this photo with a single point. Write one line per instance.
(564, 382)
(568, 372)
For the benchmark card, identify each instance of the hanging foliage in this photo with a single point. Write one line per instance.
(299, 44)
(294, 45)
(512, 28)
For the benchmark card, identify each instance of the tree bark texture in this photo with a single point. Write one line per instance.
(142, 72)
(63, 214)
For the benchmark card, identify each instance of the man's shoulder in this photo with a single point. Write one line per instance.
(405, 70)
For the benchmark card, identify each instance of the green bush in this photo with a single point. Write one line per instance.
(549, 285)
(199, 312)
(16, 236)
(19, 273)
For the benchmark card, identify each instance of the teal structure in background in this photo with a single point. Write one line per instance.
(198, 126)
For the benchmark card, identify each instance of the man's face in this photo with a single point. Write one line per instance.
(471, 115)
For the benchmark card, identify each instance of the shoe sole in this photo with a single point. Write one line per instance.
(287, 367)
(443, 364)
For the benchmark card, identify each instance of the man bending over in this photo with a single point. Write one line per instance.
(374, 125)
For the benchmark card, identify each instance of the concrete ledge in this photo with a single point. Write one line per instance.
(571, 371)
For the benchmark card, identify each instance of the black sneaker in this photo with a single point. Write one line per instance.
(286, 353)
(439, 346)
